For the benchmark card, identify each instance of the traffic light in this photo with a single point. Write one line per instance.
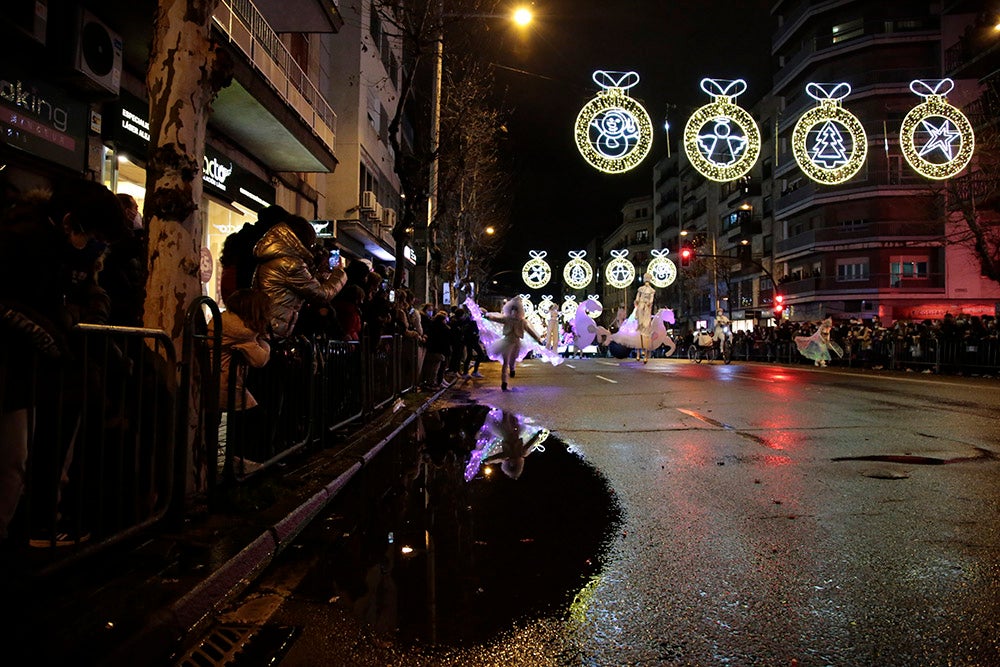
(779, 305)
(686, 255)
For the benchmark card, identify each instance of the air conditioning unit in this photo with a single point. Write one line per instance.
(377, 213)
(389, 217)
(97, 53)
(368, 201)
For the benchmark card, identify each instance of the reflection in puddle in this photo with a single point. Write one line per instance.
(456, 553)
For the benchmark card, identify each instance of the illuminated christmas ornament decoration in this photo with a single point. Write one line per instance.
(936, 138)
(568, 308)
(529, 308)
(619, 272)
(577, 273)
(544, 305)
(594, 309)
(536, 272)
(721, 139)
(828, 141)
(662, 270)
(613, 131)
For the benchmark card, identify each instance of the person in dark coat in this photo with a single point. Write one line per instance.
(438, 349)
(238, 260)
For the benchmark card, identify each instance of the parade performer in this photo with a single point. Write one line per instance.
(503, 337)
(552, 329)
(818, 346)
(585, 329)
(644, 317)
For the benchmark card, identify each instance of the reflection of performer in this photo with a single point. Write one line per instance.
(818, 346)
(505, 438)
(644, 317)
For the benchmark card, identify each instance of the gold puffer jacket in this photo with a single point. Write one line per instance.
(283, 274)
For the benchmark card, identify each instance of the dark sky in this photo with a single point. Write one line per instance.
(560, 201)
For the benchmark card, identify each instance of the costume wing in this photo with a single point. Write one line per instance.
(628, 333)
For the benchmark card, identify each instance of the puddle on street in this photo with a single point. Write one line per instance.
(489, 521)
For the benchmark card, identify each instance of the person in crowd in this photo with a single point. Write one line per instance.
(238, 259)
(244, 335)
(348, 305)
(438, 351)
(287, 276)
(459, 316)
(474, 352)
(133, 217)
(123, 269)
(47, 260)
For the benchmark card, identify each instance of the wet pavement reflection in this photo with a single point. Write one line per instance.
(492, 522)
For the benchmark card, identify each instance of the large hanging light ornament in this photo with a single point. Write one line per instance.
(613, 131)
(662, 270)
(568, 308)
(536, 272)
(936, 137)
(828, 141)
(596, 309)
(577, 273)
(721, 139)
(620, 272)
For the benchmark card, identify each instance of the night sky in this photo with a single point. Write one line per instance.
(560, 202)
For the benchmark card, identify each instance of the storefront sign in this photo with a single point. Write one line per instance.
(42, 120)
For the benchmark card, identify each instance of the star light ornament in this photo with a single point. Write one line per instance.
(721, 139)
(936, 137)
(568, 308)
(577, 273)
(662, 270)
(828, 141)
(613, 131)
(620, 272)
(536, 272)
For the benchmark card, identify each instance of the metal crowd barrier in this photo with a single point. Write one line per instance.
(101, 441)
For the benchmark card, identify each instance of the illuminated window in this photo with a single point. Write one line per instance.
(907, 268)
(848, 31)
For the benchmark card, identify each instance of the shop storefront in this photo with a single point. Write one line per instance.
(232, 195)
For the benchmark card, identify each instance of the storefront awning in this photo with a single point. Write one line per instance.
(356, 235)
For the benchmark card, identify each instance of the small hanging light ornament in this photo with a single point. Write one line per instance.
(662, 270)
(721, 139)
(936, 138)
(577, 273)
(529, 307)
(536, 272)
(613, 131)
(568, 308)
(544, 305)
(828, 141)
(620, 272)
(595, 312)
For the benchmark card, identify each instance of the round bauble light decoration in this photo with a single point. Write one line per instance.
(721, 139)
(544, 305)
(536, 272)
(661, 269)
(613, 131)
(828, 141)
(620, 272)
(596, 311)
(577, 273)
(568, 308)
(529, 308)
(936, 138)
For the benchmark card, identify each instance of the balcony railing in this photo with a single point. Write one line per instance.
(882, 282)
(246, 28)
(871, 179)
(929, 229)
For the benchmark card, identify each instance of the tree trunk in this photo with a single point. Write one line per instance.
(182, 80)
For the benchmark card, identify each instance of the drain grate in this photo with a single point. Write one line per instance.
(241, 646)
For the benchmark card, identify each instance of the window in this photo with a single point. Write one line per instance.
(374, 112)
(642, 236)
(847, 31)
(907, 268)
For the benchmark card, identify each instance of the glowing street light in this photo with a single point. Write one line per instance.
(522, 16)
(490, 230)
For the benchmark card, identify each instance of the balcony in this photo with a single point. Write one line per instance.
(976, 55)
(271, 107)
(873, 180)
(929, 229)
(883, 283)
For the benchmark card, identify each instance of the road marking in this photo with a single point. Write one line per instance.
(608, 363)
(606, 379)
(570, 366)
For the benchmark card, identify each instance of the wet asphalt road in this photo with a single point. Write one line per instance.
(768, 515)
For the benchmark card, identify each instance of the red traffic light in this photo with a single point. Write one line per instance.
(686, 255)
(779, 304)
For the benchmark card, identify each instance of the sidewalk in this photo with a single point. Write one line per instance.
(130, 605)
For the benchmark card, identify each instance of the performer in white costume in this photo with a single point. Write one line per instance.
(503, 337)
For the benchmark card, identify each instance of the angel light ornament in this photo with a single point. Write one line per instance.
(568, 308)
(577, 273)
(936, 138)
(828, 141)
(721, 139)
(619, 272)
(536, 272)
(594, 307)
(662, 270)
(613, 131)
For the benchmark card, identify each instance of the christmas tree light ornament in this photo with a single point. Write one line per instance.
(828, 141)
(721, 139)
(662, 270)
(594, 309)
(568, 308)
(936, 138)
(577, 273)
(613, 131)
(620, 272)
(536, 272)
